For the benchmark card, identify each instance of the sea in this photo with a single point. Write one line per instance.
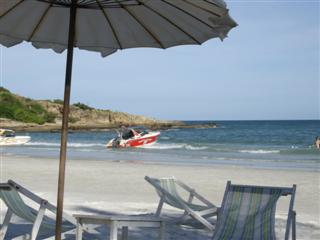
(253, 144)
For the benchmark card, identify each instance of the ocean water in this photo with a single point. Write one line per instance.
(258, 144)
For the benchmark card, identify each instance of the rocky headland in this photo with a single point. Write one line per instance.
(25, 114)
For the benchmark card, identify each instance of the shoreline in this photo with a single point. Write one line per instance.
(222, 164)
(56, 127)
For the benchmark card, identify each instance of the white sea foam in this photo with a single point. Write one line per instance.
(174, 146)
(75, 145)
(189, 147)
(259, 151)
(80, 145)
(164, 146)
(47, 144)
(92, 145)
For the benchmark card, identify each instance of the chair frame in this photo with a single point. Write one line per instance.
(291, 220)
(211, 210)
(44, 205)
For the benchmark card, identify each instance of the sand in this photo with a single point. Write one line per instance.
(102, 187)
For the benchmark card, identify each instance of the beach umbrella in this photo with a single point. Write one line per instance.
(106, 26)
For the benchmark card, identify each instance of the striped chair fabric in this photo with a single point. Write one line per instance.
(248, 213)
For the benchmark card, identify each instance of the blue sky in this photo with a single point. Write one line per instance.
(268, 68)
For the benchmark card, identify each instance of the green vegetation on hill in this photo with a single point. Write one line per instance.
(27, 110)
(82, 106)
(18, 112)
(57, 101)
(22, 109)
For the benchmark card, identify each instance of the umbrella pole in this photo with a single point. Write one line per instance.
(65, 119)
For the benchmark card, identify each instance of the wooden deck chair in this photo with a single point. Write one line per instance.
(167, 189)
(248, 213)
(42, 225)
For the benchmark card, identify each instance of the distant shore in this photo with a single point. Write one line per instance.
(56, 127)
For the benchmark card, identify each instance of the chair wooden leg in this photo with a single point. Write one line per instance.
(294, 225)
(79, 231)
(5, 224)
(125, 233)
(38, 221)
(113, 230)
(158, 212)
(184, 216)
(191, 196)
(162, 231)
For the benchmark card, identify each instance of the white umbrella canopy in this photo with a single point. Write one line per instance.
(106, 26)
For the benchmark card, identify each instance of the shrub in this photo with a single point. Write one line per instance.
(73, 120)
(25, 116)
(28, 111)
(50, 117)
(82, 106)
(58, 101)
(2, 89)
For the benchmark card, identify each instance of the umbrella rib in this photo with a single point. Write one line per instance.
(204, 9)
(39, 22)
(188, 13)
(10, 9)
(110, 24)
(169, 21)
(145, 27)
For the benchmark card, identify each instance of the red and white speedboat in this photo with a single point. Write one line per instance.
(133, 137)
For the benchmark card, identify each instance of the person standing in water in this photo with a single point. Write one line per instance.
(317, 143)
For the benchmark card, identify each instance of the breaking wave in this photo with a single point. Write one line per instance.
(259, 151)
(189, 147)
(174, 146)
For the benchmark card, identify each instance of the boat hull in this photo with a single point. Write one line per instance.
(141, 141)
(137, 141)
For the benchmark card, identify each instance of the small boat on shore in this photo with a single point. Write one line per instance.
(9, 138)
(133, 137)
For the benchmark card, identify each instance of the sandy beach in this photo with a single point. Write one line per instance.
(102, 187)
